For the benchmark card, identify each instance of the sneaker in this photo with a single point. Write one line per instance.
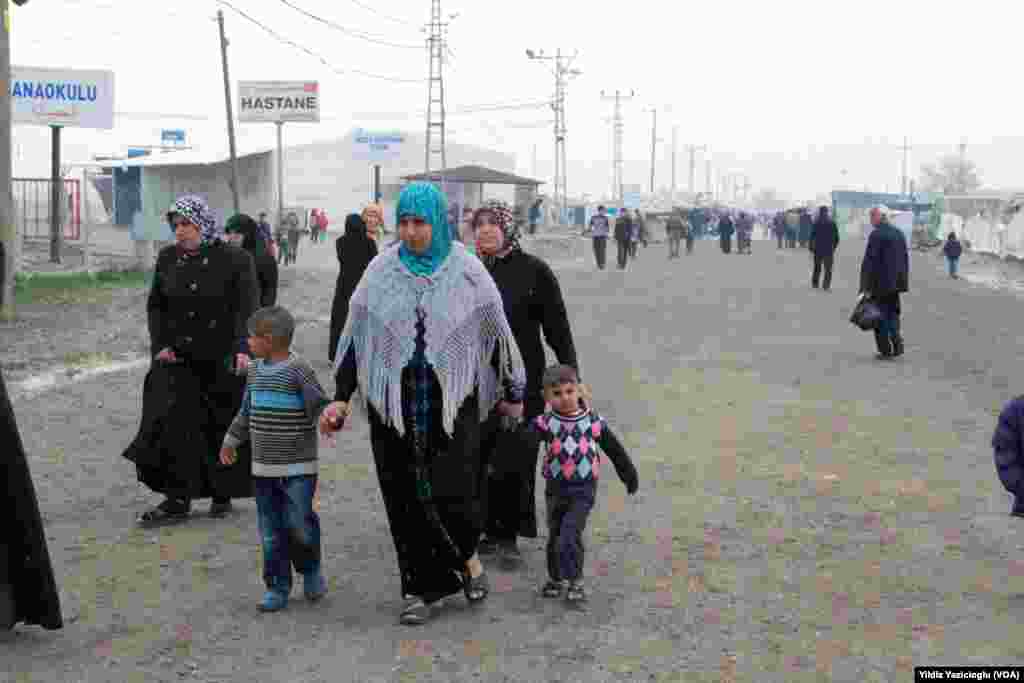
(576, 593)
(273, 601)
(314, 586)
(553, 589)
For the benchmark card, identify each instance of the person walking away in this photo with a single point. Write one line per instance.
(203, 292)
(532, 299)
(792, 228)
(267, 234)
(281, 240)
(689, 233)
(745, 232)
(279, 418)
(245, 233)
(430, 350)
(725, 232)
(674, 229)
(698, 221)
(294, 235)
(953, 250)
(355, 249)
(823, 242)
(573, 437)
(779, 228)
(804, 229)
(640, 233)
(535, 216)
(324, 224)
(28, 590)
(623, 237)
(600, 229)
(884, 275)
(1007, 445)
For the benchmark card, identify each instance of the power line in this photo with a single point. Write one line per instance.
(347, 31)
(381, 14)
(316, 56)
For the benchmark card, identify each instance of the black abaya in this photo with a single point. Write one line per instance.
(28, 591)
(355, 251)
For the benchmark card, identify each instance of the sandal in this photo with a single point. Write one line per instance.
(476, 588)
(166, 512)
(576, 592)
(415, 613)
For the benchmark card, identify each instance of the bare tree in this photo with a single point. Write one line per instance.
(953, 174)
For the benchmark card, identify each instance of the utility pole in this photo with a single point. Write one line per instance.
(231, 116)
(693, 149)
(906, 148)
(707, 175)
(617, 126)
(654, 142)
(8, 226)
(436, 157)
(675, 136)
(562, 74)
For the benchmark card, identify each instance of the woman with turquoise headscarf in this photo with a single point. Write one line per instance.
(427, 344)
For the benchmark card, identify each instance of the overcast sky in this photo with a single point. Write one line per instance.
(790, 92)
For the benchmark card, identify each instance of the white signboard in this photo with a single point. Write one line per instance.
(278, 101)
(377, 146)
(62, 97)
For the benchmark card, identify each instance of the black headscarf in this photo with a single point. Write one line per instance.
(355, 244)
(244, 225)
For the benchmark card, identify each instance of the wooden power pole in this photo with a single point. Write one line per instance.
(231, 116)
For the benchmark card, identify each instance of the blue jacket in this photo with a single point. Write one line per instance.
(953, 249)
(1007, 446)
(886, 265)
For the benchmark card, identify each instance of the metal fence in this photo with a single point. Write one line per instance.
(32, 207)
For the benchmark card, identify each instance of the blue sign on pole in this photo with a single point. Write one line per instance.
(134, 152)
(172, 136)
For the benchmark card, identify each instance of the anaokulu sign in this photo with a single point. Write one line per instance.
(278, 101)
(62, 97)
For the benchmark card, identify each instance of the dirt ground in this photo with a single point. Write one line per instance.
(805, 511)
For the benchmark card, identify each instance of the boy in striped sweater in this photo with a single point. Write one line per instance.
(279, 414)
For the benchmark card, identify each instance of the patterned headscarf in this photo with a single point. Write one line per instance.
(423, 200)
(196, 211)
(505, 220)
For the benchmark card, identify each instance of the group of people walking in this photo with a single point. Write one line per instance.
(446, 350)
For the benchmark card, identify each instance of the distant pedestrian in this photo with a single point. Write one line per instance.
(779, 228)
(279, 417)
(884, 275)
(675, 229)
(726, 228)
(953, 249)
(600, 229)
(249, 237)
(535, 215)
(792, 228)
(804, 229)
(745, 232)
(823, 242)
(28, 590)
(574, 437)
(294, 235)
(355, 249)
(623, 237)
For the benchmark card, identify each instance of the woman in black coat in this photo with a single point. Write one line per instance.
(355, 251)
(248, 236)
(28, 592)
(533, 304)
(203, 293)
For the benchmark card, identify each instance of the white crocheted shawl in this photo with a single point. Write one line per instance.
(464, 322)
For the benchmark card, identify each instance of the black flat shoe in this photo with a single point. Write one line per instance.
(476, 589)
(414, 613)
(167, 512)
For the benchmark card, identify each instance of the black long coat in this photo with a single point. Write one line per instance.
(533, 304)
(198, 306)
(824, 237)
(355, 251)
(885, 269)
(28, 591)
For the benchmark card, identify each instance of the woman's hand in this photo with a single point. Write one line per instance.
(507, 409)
(241, 363)
(167, 356)
(228, 456)
(333, 417)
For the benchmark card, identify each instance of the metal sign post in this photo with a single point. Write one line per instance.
(280, 172)
(56, 224)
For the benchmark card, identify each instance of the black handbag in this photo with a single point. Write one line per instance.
(866, 314)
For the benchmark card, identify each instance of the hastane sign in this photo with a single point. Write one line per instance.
(278, 101)
(62, 97)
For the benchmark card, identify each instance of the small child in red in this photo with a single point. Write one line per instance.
(573, 439)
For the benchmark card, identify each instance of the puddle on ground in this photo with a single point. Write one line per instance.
(65, 375)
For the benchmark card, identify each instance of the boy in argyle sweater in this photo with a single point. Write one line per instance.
(573, 438)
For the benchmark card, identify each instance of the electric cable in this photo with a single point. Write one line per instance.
(350, 32)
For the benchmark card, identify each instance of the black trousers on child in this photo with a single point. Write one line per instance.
(623, 255)
(819, 261)
(568, 508)
(600, 251)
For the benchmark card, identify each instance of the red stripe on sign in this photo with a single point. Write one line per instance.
(310, 87)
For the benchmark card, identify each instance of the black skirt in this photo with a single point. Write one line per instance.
(28, 591)
(186, 411)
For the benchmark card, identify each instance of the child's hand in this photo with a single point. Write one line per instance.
(333, 417)
(228, 456)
